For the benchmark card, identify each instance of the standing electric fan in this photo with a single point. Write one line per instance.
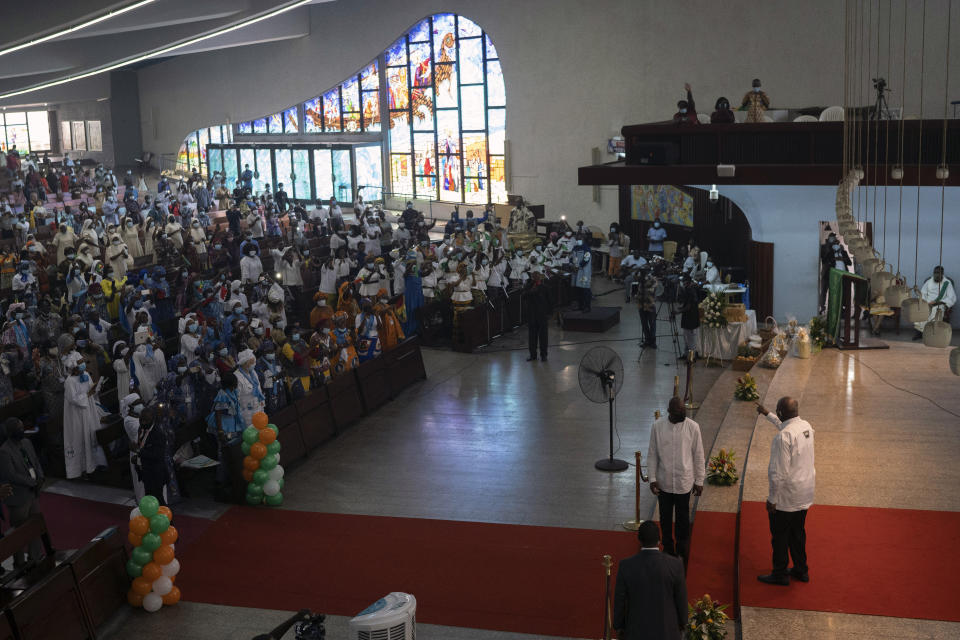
(601, 377)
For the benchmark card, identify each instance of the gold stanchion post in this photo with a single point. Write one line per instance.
(633, 525)
(688, 402)
(608, 607)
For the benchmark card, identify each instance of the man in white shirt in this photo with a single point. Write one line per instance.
(792, 478)
(939, 293)
(675, 466)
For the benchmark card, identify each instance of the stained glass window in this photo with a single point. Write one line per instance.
(369, 173)
(214, 135)
(230, 167)
(421, 32)
(322, 174)
(471, 61)
(313, 115)
(264, 175)
(245, 127)
(215, 158)
(260, 126)
(275, 123)
(331, 110)
(193, 152)
(467, 28)
(290, 124)
(397, 53)
(497, 127)
(204, 141)
(397, 89)
(422, 107)
(401, 175)
(371, 111)
(400, 132)
(369, 78)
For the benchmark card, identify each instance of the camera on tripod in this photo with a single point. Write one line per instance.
(880, 84)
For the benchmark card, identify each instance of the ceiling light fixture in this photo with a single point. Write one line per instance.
(83, 25)
(156, 52)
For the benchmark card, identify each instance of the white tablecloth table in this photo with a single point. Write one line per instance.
(722, 343)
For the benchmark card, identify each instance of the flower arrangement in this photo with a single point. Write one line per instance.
(722, 470)
(712, 307)
(818, 332)
(746, 388)
(706, 620)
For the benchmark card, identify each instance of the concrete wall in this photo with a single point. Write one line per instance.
(86, 110)
(125, 117)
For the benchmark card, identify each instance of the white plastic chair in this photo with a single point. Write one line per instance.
(767, 118)
(832, 114)
(805, 119)
(703, 118)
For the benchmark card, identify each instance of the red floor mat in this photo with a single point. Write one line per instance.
(541, 580)
(710, 569)
(890, 562)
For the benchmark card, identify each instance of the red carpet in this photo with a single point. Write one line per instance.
(72, 522)
(712, 556)
(890, 562)
(541, 580)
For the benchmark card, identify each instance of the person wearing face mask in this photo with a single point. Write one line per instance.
(131, 406)
(712, 274)
(20, 468)
(580, 260)
(832, 256)
(321, 314)
(722, 114)
(755, 103)
(16, 331)
(675, 462)
(367, 331)
(121, 367)
(249, 393)
(226, 422)
(150, 449)
(792, 481)
(47, 326)
(656, 234)
(198, 242)
(81, 419)
(618, 244)
(271, 379)
(295, 354)
(223, 360)
(481, 273)
(64, 239)
(518, 269)
(149, 365)
(391, 330)
(118, 255)
(174, 233)
(686, 109)
(97, 328)
(250, 266)
(190, 340)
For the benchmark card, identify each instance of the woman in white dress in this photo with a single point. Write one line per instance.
(130, 407)
(81, 420)
(131, 237)
(249, 392)
(150, 367)
(121, 365)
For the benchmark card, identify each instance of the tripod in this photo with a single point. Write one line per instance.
(881, 110)
(674, 332)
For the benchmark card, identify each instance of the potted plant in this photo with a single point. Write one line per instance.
(746, 389)
(722, 470)
(706, 620)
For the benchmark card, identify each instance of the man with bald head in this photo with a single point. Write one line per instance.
(792, 478)
(675, 466)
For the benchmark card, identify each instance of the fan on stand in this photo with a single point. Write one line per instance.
(601, 377)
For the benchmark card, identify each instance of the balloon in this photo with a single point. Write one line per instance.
(269, 462)
(274, 501)
(134, 599)
(162, 585)
(152, 602)
(139, 525)
(255, 490)
(135, 512)
(151, 542)
(133, 569)
(152, 571)
(277, 456)
(267, 436)
(141, 586)
(276, 473)
(165, 511)
(149, 506)
(251, 463)
(170, 535)
(159, 523)
(258, 450)
(260, 420)
(253, 500)
(245, 448)
(172, 569)
(248, 475)
(134, 539)
(273, 428)
(250, 435)
(271, 488)
(141, 556)
(273, 447)
(163, 555)
(172, 596)
(260, 476)
(281, 482)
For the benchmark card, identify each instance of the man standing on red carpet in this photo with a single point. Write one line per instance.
(792, 478)
(675, 460)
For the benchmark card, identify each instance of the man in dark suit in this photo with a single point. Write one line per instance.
(20, 468)
(539, 301)
(650, 600)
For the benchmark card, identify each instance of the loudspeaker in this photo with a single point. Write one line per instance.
(658, 153)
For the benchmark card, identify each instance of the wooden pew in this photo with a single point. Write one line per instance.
(404, 365)
(345, 401)
(372, 381)
(99, 570)
(315, 419)
(113, 440)
(290, 437)
(51, 610)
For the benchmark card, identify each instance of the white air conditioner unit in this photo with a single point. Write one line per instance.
(393, 617)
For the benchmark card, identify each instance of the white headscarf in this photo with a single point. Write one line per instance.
(245, 356)
(71, 360)
(128, 401)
